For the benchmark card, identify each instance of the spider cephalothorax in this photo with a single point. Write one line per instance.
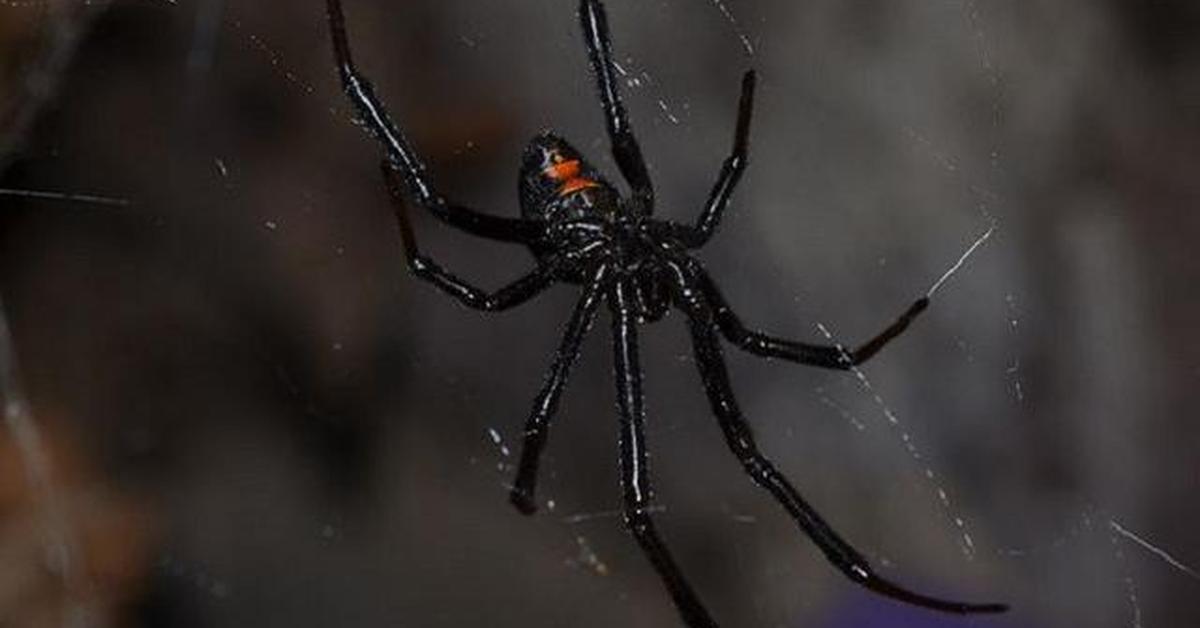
(582, 231)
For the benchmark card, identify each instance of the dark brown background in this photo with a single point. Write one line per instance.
(238, 347)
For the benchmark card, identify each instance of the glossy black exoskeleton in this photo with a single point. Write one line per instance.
(582, 231)
(588, 223)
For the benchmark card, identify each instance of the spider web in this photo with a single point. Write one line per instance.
(316, 430)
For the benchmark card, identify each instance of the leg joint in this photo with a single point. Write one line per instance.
(638, 521)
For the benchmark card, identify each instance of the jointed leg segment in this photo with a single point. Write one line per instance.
(731, 171)
(546, 404)
(824, 356)
(703, 324)
(635, 477)
(424, 267)
(401, 155)
(625, 148)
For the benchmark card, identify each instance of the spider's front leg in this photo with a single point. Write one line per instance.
(703, 324)
(546, 404)
(731, 173)
(512, 295)
(635, 476)
(375, 118)
(625, 146)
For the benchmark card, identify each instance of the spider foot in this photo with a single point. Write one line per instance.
(523, 500)
(887, 588)
(916, 308)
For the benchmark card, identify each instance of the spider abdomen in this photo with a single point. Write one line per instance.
(558, 184)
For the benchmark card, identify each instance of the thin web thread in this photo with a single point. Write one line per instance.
(1131, 590)
(937, 285)
(737, 28)
(91, 199)
(967, 543)
(1153, 549)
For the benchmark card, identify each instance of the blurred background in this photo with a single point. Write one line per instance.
(228, 403)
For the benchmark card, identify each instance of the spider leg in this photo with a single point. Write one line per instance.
(546, 404)
(824, 356)
(635, 478)
(625, 146)
(731, 173)
(703, 324)
(425, 268)
(401, 155)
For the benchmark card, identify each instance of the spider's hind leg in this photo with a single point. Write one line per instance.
(824, 356)
(852, 564)
(635, 478)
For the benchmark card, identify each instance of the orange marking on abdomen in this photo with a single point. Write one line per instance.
(563, 170)
(576, 184)
(567, 173)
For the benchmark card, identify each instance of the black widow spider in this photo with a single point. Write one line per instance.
(581, 231)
